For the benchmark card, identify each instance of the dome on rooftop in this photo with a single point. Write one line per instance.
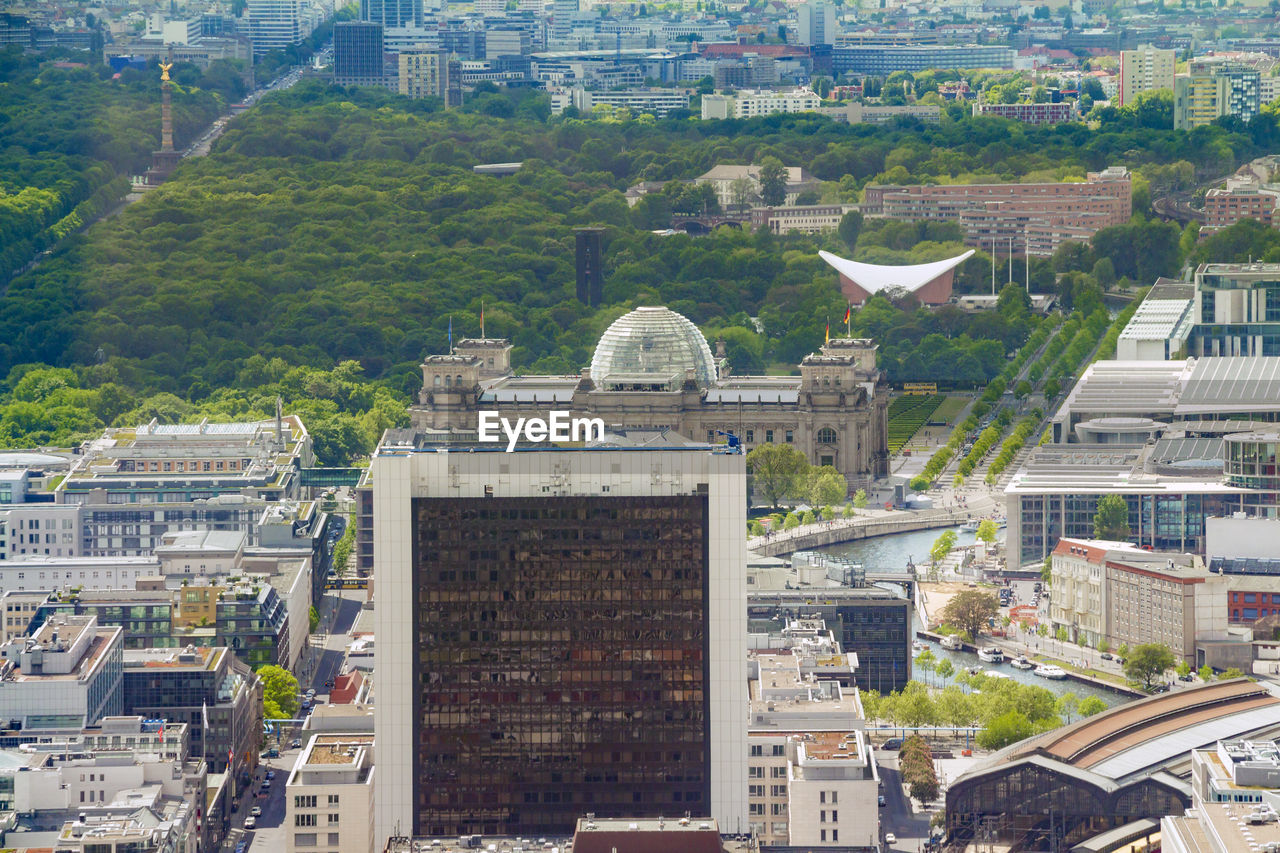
(655, 342)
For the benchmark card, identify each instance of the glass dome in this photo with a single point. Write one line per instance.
(651, 346)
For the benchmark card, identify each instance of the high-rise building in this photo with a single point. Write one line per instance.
(817, 22)
(424, 73)
(277, 24)
(562, 631)
(392, 13)
(1215, 89)
(357, 54)
(562, 12)
(1144, 70)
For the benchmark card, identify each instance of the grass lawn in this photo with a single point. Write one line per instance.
(950, 408)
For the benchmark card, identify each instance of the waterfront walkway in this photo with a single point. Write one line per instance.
(878, 522)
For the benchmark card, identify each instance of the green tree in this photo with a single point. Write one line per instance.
(987, 532)
(827, 513)
(970, 610)
(860, 499)
(1067, 706)
(314, 619)
(1147, 663)
(1062, 634)
(279, 692)
(926, 662)
(778, 471)
(1206, 673)
(792, 522)
(849, 228)
(1046, 571)
(1231, 672)
(342, 549)
(1111, 521)
(945, 669)
(1091, 705)
(825, 485)
(942, 546)
(1183, 669)
(1008, 728)
(773, 182)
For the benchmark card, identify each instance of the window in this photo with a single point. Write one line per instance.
(790, 436)
(333, 799)
(755, 790)
(757, 749)
(826, 435)
(779, 749)
(822, 796)
(835, 817)
(780, 829)
(304, 801)
(755, 808)
(822, 816)
(823, 836)
(304, 839)
(333, 820)
(778, 808)
(768, 435)
(835, 835)
(779, 790)
(304, 820)
(778, 772)
(755, 772)
(333, 839)
(751, 435)
(834, 795)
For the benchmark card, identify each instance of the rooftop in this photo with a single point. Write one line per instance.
(337, 749)
(190, 657)
(874, 278)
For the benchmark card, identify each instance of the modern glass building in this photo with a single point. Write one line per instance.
(561, 631)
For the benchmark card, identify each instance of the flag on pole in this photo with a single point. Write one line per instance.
(204, 716)
(450, 334)
(828, 338)
(482, 318)
(848, 316)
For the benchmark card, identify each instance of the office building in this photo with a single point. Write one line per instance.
(1170, 437)
(172, 463)
(1046, 113)
(357, 54)
(562, 12)
(1234, 789)
(329, 796)
(192, 685)
(424, 73)
(816, 23)
(1237, 310)
(561, 631)
(805, 219)
(507, 42)
(811, 776)
(1146, 69)
(278, 24)
(869, 622)
(392, 14)
(41, 529)
(748, 104)
(1031, 218)
(655, 102)
(19, 608)
(1160, 328)
(1214, 89)
(884, 59)
(66, 675)
(653, 369)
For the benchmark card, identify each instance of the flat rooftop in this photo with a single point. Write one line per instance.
(337, 749)
(832, 746)
(191, 657)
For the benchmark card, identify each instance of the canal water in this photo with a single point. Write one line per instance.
(893, 552)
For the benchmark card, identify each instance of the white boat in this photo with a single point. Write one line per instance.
(991, 673)
(951, 641)
(1021, 662)
(1047, 670)
(970, 527)
(917, 646)
(991, 654)
(975, 670)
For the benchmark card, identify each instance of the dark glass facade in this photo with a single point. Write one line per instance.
(562, 663)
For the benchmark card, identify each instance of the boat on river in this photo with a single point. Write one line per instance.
(1048, 670)
(991, 654)
(1021, 662)
(951, 641)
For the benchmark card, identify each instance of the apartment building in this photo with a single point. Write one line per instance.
(748, 104)
(657, 102)
(1215, 88)
(802, 219)
(66, 675)
(1046, 113)
(1145, 69)
(1242, 197)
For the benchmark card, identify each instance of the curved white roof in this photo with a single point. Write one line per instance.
(874, 278)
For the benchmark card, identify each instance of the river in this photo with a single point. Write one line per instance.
(893, 552)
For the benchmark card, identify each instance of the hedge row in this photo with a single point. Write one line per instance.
(1012, 445)
(907, 414)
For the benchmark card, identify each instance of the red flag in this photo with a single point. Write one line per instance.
(847, 315)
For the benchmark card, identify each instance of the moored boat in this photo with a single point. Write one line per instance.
(1048, 670)
(950, 641)
(1021, 662)
(991, 654)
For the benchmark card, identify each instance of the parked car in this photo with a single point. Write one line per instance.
(1107, 656)
(890, 838)
(880, 800)
(1187, 677)
(256, 811)
(250, 822)
(272, 753)
(271, 774)
(893, 743)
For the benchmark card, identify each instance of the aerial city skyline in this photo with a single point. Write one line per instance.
(586, 426)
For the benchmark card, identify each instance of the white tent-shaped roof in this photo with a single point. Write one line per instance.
(874, 278)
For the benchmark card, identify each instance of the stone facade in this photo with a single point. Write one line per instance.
(835, 411)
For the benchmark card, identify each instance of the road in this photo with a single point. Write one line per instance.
(898, 816)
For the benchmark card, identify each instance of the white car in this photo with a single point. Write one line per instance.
(890, 838)
(250, 822)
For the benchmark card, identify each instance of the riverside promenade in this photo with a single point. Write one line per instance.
(872, 522)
